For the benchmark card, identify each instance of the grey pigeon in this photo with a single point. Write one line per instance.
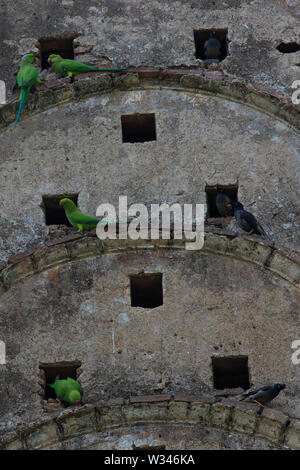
(247, 221)
(223, 203)
(264, 395)
(212, 48)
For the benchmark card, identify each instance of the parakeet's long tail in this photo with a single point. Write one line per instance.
(23, 98)
(111, 70)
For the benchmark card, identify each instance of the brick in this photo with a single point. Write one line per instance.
(292, 438)
(271, 424)
(78, 422)
(141, 412)
(220, 414)
(18, 271)
(245, 418)
(149, 398)
(43, 435)
(178, 411)
(50, 256)
(15, 258)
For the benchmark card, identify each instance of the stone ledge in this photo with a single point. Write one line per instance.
(232, 416)
(76, 246)
(196, 80)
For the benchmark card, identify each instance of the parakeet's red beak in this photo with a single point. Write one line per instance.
(229, 205)
(49, 60)
(284, 389)
(215, 187)
(77, 402)
(60, 204)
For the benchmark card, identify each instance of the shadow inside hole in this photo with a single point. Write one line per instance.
(230, 372)
(138, 128)
(211, 194)
(202, 35)
(54, 214)
(62, 370)
(63, 47)
(146, 290)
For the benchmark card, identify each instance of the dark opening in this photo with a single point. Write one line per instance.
(146, 290)
(63, 370)
(138, 127)
(202, 35)
(54, 214)
(230, 372)
(288, 47)
(62, 46)
(211, 194)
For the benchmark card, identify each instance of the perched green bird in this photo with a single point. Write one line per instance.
(77, 218)
(27, 76)
(67, 390)
(70, 68)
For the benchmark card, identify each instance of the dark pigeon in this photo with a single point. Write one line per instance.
(264, 395)
(247, 221)
(212, 48)
(223, 203)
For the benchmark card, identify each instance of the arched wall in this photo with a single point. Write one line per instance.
(71, 302)
(208, 132)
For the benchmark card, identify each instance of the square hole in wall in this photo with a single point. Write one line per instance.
(54, 214)
(230, 372)
(63, 370)
(202, 35)
(146, 290)
(138, 127)
(211, 194)
(62, 46)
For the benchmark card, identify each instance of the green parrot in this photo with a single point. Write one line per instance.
(77, 218)
(67, 390)
(27, 76)
(70, 68)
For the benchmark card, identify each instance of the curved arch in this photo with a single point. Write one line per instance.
(163, 410)
(54, 94)
(76, 247)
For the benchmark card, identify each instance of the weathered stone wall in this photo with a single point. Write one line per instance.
(214, 304)
(69, 299)
(179, 422)
(201, 140)
(139, 32)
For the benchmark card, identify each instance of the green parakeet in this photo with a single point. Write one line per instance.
(70, 68)
(67, 390)
(77, 218)
(27, 76)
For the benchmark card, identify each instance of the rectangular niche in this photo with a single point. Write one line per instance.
(138, 127)
(54, 214)
(146, 290)
(230, 372)
(61, 46)
(211, 194)
(202, 35)
(61, 369)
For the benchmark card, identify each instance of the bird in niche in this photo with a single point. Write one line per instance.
(67, 390)
(27, 77)
(246, 221)
(264, 395)
(212, 49)
(77, 218)
(70, 68)
(223, 203)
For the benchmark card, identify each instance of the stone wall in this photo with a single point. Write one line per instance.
(179, 422)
